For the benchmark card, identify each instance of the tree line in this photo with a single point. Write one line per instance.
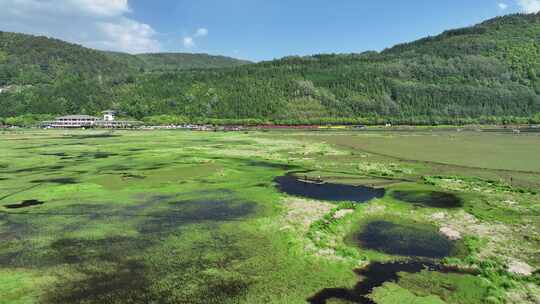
(482, 74)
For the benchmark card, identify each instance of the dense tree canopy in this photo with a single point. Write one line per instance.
(486, 73)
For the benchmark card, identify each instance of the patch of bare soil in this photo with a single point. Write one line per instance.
(342, 213)
(520, 268)
(301, 213)
(450, 233)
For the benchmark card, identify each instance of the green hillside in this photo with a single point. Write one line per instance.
(486, 73)
(185, 61)
(40, 75)
(174, 61)
(27, 59)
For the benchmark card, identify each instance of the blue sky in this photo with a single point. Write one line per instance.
(249, 29)
(259, 29)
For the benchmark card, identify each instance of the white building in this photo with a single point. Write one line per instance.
(108, 115)
(85, 121)
(73, 121)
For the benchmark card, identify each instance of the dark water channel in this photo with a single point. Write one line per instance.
(420, 242)
(25, 204)
(375, 275)
(320, 190)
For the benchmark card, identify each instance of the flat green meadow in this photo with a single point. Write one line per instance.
(469, 149)
(89, 216)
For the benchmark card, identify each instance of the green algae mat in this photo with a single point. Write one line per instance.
(198, 217)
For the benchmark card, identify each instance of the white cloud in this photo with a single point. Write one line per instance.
(101, 24)
(102, 7)
(529, 6)
(127, 34)
(502, 6)
(202, 32)
(189, 43)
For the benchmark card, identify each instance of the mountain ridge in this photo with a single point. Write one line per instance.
(486, 72)
(45, 58)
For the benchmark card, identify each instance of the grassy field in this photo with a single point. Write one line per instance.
(505, 157)
(501, 151)
(195, 217)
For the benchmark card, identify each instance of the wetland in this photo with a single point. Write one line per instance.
(268, 217)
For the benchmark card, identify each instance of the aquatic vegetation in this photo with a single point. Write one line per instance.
(450, 287)
(147, 219)
(434, 199)
(392, 293)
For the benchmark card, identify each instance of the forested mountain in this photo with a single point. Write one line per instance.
(33, 60)
(156, 62)
(186, 61)
(29, 60)
(486, 72)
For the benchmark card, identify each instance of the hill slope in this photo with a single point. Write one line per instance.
(186, 61)
(488, 71)
(27, 59)
(174, 61)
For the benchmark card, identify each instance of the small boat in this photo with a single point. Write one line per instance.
(318, 181)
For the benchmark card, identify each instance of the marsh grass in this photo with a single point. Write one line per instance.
(435, 287)
(432, 199)
(135, 217)
(186, 217)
